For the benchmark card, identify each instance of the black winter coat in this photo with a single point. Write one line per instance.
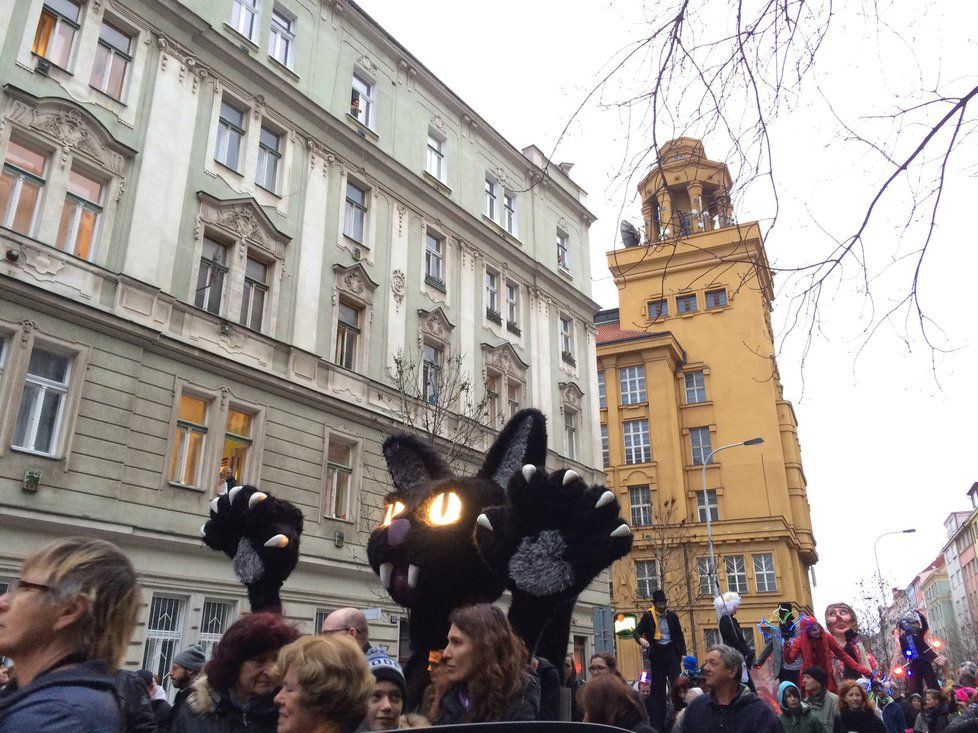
(746, 713)
(862, 721)
(732, 635)
(525, 706)
(211, 711)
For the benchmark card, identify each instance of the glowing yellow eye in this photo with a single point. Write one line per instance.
(444, 509)
(392, 511)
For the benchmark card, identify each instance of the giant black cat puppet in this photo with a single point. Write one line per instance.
(448, 541)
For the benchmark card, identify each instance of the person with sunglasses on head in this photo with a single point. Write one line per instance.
(67, 621)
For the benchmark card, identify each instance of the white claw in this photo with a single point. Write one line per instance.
(528, 470)
(413, 572)
(203, 529)
(280, 541)
(606, 498)
(214, 504)
(385, 574)
(233, 493)
(255, 498)
(622, 531)
(569, 476)
(483, 521)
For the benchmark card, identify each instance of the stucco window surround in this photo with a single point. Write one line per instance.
(21, 380)
(353, 287)
(364, 248)
(76, 75)
(363, 107)
(572, 409)
(503, 368)
(245, 176)
(75, 144)
(699, 442)
(220, 402)
(436, 279)
(695, 497)
(502, 203)
(567, 343)
(342, 476)
(694, 391)
(244, 228)
(434, 332)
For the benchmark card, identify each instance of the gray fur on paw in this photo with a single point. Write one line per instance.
(247, 565)
(537, 566)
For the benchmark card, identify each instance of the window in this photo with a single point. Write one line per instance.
(321, 614)
(355, 216)
(112, 58)
(512, 306)
(56, 31)
(602, 391)
(712, 637)
(658, 309)
(362, 100)
(339, 478)
(638, 448)
(492, 295)
(269, 159)
(736, 571)
(164, 635)
(513, 392)
(711, 504)
(764, 576)
(214, 621)
(347, 335)
(42, 405)
(434, 259)
(237, 441)
(79, 217)
(244, 17)
(605, 447)
(281, 41)
(211, 276)
(695, 387)
(254, 295)
(686, 304)
(567, 339)
(563, 253)
(435, 162)
(509, 212)
(431, 361)
(632, 383)
(716, 298)
(640, 502)
(493, 398)
(699, 445)
(230, 133)
(491, 198)
(570, 433)
(646, 577)
(703, 571)
(188, 441)
(21, 187)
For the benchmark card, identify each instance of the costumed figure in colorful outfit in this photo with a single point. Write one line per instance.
(817, 648)
(841, 623)
(917, 653)
(730, 631)
(777, 633)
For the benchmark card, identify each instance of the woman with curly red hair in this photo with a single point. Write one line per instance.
(486, 676)
(237, 687)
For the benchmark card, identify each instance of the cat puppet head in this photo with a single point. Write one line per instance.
(424, 550)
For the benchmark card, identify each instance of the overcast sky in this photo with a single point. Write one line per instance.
(888, 439)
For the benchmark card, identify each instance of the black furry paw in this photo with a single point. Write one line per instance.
(555, 535)
(261, 536)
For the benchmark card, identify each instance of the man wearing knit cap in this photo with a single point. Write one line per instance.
(823, 703)
(385, 705)
(183, 671)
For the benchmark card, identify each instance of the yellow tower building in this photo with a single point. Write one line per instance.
(686, 366)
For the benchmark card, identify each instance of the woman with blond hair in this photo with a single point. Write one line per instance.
(326, 684)
(857, 712)
(67, 621)
(486, 676)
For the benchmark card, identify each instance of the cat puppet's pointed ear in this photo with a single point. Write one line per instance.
(412, 462)
(522, 441)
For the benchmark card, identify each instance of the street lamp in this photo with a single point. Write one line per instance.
(706, 504)
(883, 631)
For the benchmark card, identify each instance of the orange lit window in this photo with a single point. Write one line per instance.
(79, 217)
(20, 187)
(56, 31)
(112, 59)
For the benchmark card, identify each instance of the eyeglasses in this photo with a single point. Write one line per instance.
(595, 668)
(22, 586)
(342, 630)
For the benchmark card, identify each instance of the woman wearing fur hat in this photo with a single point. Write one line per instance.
(817, 648)
(236, 690)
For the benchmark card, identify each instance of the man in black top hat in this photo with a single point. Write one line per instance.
(661, 637)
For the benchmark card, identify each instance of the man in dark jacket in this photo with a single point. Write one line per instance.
(183, 671)
(917, 651)
(661, 638)
(728, 706)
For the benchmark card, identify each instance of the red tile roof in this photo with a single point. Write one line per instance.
(610, 333)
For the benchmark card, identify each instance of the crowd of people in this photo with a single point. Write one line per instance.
(67, 620)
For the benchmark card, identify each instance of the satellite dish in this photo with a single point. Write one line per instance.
(629, 235)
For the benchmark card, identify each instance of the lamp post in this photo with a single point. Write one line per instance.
(706, 505)
(879, 576)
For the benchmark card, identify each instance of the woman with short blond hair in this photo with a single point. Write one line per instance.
(67, 621)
